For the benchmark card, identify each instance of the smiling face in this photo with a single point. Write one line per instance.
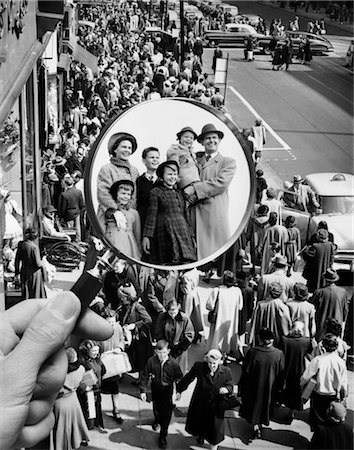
(152, 160)
(211, 142)
(124, 195)
(187, 139)
(124, 150)
(94, 351)
(213, 366)
(170, 177)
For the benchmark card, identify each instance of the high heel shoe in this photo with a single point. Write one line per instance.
(117, 417)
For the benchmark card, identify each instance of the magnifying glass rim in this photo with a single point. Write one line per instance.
(98, 232)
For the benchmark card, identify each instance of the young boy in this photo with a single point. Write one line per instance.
(164, 371)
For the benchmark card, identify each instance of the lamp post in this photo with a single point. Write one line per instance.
(181, 14)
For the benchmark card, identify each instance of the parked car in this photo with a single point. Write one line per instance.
(167, 40)
(250, 19)
(335, 194)
(319, 44)
(236, 34)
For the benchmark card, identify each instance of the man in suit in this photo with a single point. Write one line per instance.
(209, 197)
(300, 196)
(70, 205)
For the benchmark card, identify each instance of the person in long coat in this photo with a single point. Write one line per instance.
(255, 233)
(296, 348)
(209, 197)
(120, 147)
(228, 301)
(301, 309)
(168, 237)
(214, 380)
(271, 313)
(261, 382)
(293, 244)
(273, 234)
(29, 265)
(319, 257)
(329, 301)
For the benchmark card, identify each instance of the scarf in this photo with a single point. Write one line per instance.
(120, 163)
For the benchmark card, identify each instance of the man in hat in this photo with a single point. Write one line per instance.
(334, 433)
(329, 301)
(50, 226)
(261, 382)
(70, 206)
(279, 276)
(300, 196)
(210, 195)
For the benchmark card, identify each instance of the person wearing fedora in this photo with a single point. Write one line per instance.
(329, 301)
(209, 196)
(280, 276)
(300, 196)
(120, 148)
(183, 154)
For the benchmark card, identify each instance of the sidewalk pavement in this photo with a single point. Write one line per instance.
(136, 431)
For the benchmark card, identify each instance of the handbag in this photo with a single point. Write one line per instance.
(115, 364)
(227, 402)
(308, 389)
(213, 314)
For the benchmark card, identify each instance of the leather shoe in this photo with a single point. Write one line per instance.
(155, 426)
(162, 442)
(200, 440)
(101, 430)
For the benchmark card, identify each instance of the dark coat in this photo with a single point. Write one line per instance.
(260, 384)
(29, 264)
(113, 281)
(203, 418)
(70, 204)
(336, 436)
(143, 188)
(319, 257)
(295, 348)
(171, 236)
(330, 301)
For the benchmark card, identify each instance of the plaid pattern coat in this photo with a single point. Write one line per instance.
(171, 236)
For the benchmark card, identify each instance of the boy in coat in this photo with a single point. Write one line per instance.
(164, 371)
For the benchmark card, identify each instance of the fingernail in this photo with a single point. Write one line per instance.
(63, 306)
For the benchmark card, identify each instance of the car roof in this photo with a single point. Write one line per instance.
(250, 28)
(305, 33)
(331, 184)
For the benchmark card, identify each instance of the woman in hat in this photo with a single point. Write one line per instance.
(183, 154)
(227, 301)
(127, 240)
(214, 381)
(301, 309)
(167, 236)
(209, 196)
(120, 148)
(261, 382)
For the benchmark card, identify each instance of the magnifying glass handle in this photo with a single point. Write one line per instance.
(90, 282)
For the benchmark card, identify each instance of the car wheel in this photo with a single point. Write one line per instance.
(266, 50)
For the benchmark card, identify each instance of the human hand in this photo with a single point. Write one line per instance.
(146, 245)
(33, 363)
(97, 243)
(223, 390)
(143, 397)
(130, 327)
(118, 350)
(178, 396)
(120, 219)
(189, 191)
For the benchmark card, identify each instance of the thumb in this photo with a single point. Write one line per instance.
(45, 334)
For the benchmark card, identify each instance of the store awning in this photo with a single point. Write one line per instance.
(84, 56)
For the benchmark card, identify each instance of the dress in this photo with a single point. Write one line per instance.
(28, 257)
(171, 236)
(224, 332)
(203, 419)
(260, 383)
(126, 241)
(191, 301)
(70, 427)
(13, 229)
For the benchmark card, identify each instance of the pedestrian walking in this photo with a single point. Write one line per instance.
(301, 309)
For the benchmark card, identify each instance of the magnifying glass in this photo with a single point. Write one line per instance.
(224, 187)
(206, 216)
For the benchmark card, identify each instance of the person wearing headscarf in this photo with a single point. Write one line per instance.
(204, 419)
(319, 257)
(261, 382)
(301, 309)
(271, 313)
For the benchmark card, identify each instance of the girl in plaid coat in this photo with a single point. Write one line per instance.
(167, 236)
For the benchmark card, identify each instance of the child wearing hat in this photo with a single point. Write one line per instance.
(164, 371)
(126, 240)
(183, 154)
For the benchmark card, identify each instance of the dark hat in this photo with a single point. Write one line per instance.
(168, 163)
(265, 334)
(116, 138)
(115, 186)
(59, 161)
(280, 260)
(258, 121)
(301, 291)
(209, 128)
(49, 209)
(337, 411)
(184, 130)
(330, 275)
(297, 178)
(290, 220)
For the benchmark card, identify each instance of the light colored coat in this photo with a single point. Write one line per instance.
(224, 332)
(211, 212)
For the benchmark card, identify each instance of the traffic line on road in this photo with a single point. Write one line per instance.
(284, 145)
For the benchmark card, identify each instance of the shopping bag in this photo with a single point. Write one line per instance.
(115, 364)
